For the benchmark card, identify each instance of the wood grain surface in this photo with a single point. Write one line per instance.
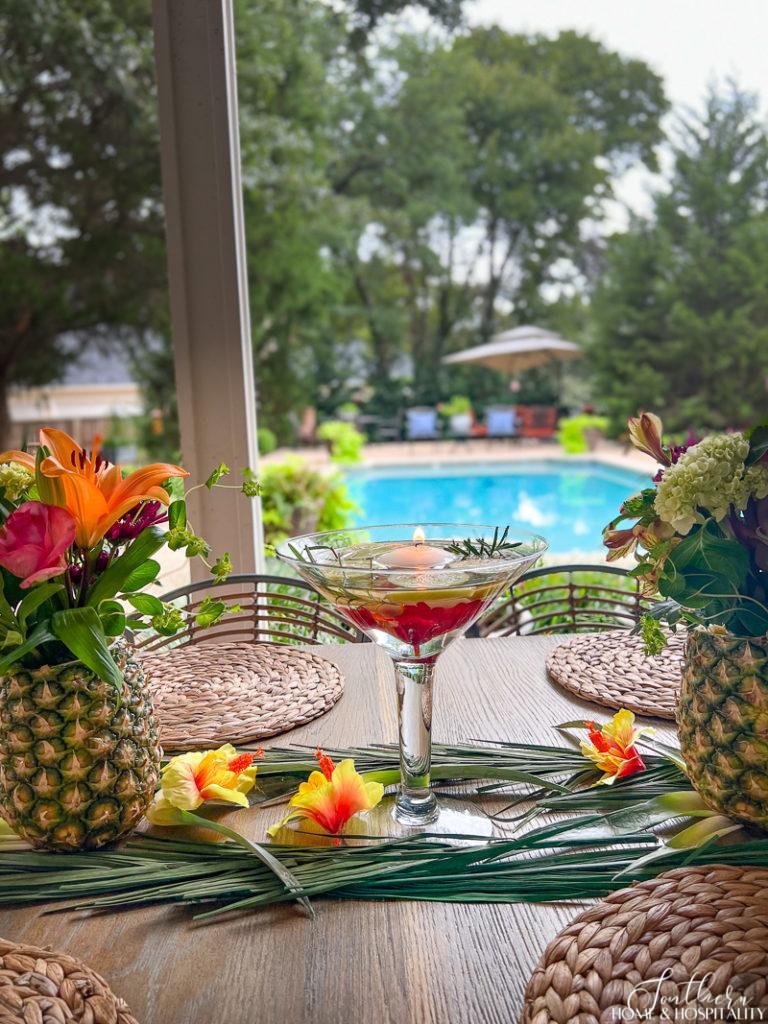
(356, 963)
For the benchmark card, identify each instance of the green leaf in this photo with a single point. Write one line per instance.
(706, 553)
(177, 514)
(288, 879)
(209, 612)
(41, 634)
(758, 444)
(221, 470)
(222, 568)
(34, 599)
(142, 577)
(112, 615)
(147, 604)
(81, 631)
(7, 616)
(121, 570)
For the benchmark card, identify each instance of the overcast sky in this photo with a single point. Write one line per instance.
(688, 42)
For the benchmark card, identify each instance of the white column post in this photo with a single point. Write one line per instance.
(200, 154)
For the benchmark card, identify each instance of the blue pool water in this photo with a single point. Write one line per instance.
(567, 502)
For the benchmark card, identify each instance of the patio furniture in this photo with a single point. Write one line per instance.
(566, 599)
(500, 421)
(421, 423)
(538, 421)
(461, 424)
(273, 609)
(517, 350)
(357, 961)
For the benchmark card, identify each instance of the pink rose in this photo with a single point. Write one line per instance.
(34, 540)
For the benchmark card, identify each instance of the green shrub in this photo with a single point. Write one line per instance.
(345, 440)
(571, 432)
(457, 405)
(267, 440)
(298, 499)
(348, 409)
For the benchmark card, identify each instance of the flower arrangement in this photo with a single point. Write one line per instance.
(595, 837)
(76, 546)
(700, 533)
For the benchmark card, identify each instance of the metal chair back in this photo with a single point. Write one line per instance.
(566, 599)
(273, 609)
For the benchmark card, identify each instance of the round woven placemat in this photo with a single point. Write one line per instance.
(611, 669)
(704, 930)
(208, 694)
(41, 987)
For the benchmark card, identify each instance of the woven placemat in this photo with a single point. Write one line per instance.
(38, 986)
(611, 669)
(703, 929)
(208, 694)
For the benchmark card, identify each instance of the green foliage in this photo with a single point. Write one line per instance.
(267, 440)
(298, 499)
(457, 405)
(682, 307)
(345, 440)
(571, 432)
(82, 256)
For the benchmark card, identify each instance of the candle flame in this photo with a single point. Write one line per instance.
(419, 536)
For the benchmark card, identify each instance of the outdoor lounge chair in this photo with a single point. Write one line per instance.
(566, 599)
(500, 421)
(421, 424)
(538, 421)
(273, 610)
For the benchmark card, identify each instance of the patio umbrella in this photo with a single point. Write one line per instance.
(519, 349)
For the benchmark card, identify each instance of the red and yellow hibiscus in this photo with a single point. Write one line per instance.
(612, 746)
(191, 780)
(90, 488)
(331, 796)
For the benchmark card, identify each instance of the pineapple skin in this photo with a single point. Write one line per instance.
(722, 718)
(77, 771)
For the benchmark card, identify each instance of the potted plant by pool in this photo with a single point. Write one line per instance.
(700, 535)
(458, 412)
(79, 754)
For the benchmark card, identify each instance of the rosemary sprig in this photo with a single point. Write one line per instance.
(482, 548)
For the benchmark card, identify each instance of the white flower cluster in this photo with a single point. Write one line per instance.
(14, 480)
(710, 476)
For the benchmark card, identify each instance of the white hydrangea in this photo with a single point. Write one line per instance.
(15, 480)
(710, 476)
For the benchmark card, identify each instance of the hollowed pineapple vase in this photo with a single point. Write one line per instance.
(78, 764)
(722, 719)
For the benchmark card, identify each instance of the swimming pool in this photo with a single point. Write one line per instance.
(568, 502)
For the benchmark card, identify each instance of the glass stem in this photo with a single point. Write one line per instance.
(416, 804)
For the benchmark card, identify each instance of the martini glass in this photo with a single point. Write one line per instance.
(413, 589)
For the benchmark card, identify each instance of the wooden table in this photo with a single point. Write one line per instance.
(356, 963)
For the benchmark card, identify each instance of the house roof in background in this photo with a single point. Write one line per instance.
(96, 366)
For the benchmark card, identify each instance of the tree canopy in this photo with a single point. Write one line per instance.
(681, 312)
(81, 250)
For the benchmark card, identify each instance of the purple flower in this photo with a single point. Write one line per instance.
(134, 522)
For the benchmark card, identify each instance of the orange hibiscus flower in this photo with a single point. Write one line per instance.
(92, 489)
(332, 796)
(612, 746)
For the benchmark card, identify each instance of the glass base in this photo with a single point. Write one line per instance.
(455, 817)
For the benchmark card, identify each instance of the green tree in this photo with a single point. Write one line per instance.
(479, 158)
(681, 310)
(81, 249)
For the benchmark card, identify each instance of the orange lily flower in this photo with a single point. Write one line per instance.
(190, 780)
(93, 490)
(332, 796)
(612, 746)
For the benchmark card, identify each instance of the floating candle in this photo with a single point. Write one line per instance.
(417, 555)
